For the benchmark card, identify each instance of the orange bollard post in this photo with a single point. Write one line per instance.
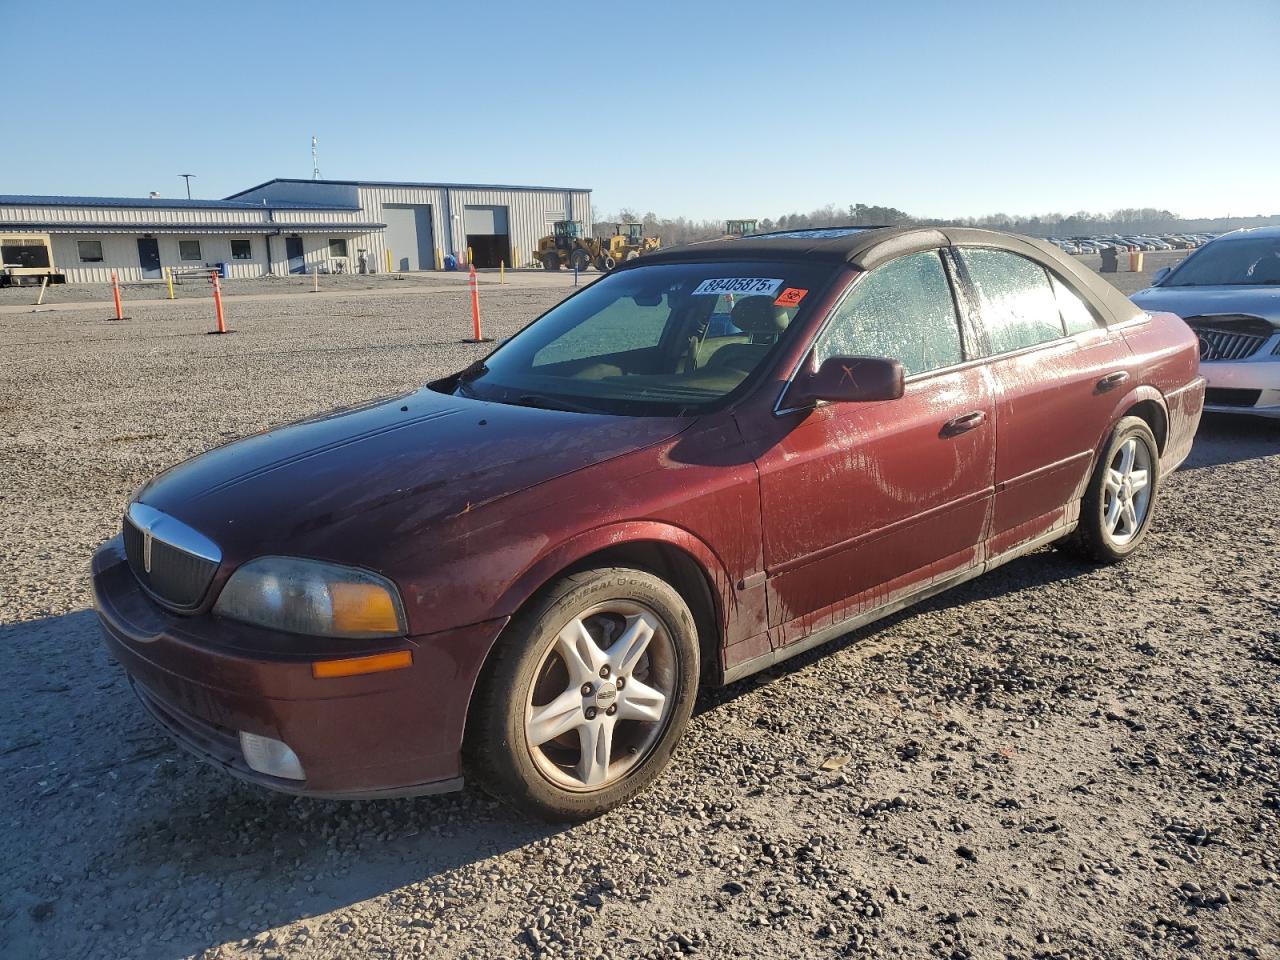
(217, 304)
(477, 335)
(115, 293)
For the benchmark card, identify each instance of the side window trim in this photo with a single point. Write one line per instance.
(973, 334)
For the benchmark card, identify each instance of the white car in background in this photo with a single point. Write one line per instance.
(1228, 292)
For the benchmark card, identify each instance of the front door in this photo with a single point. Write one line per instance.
(865, 502)
(149, 258)
(293, 250)
(1055, 368)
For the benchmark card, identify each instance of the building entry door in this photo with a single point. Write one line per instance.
(293, 250)
(149, 258)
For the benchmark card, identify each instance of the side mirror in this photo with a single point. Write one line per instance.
(1161, 274)
(848, 380)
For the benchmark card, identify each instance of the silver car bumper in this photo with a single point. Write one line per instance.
(1249, 386)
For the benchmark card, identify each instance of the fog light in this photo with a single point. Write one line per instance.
(271, 757)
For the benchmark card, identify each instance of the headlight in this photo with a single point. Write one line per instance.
(311, 597)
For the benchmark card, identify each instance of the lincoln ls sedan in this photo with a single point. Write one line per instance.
(705, 462)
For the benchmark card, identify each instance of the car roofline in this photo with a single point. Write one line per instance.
(865, 248)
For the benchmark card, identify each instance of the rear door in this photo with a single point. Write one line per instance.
(1055, 368)
(863, 502)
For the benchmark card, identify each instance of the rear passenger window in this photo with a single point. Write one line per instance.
(903, 311)
(1076, 315)
(1018, 305)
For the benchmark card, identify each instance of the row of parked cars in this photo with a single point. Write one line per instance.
(1169, 241)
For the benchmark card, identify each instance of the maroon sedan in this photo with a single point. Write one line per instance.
(707, 461)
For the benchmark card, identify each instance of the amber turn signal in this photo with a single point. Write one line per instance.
(354, 666)
(363, 608)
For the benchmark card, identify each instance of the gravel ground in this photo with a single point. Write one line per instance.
(1053, 761)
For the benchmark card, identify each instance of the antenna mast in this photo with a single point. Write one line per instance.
(315, 162)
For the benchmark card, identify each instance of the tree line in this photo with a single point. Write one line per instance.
(1082, 224)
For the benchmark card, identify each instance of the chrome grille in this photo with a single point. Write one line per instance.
(1225, 345)
(175, 576)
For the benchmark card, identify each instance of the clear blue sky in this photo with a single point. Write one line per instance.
(746, 109)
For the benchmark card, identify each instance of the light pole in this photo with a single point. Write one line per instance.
(187, 177)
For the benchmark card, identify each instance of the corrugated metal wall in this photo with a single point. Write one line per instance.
(530, 214)
(120, 253)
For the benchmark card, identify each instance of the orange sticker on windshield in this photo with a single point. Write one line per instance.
(790, 297)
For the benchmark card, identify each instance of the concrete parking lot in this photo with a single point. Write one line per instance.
(1053, 761)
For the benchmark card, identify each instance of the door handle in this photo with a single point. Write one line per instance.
(1112, 380)
(964, 424)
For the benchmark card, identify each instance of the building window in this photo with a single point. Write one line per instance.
(241, 250)
(189, 249)
(90, 251)
(337, 247)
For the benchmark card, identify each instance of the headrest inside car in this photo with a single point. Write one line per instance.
(758, 315)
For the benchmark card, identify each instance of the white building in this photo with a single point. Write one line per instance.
(293, 226)
(426, 222)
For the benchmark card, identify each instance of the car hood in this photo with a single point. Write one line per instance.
(1256, 301)
(388, 469)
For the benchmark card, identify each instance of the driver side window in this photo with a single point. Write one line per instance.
(902, 310)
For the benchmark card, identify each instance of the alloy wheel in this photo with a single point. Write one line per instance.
(1126, 491)
(601, 696)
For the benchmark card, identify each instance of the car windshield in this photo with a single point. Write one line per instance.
(656, 340)
(1252, 261)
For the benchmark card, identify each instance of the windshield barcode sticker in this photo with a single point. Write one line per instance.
(743, 286)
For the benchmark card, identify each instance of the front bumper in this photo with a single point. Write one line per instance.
(1244, 386)
(397, 733)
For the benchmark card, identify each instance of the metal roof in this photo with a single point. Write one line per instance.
(164, 203)
(407, 183)
(274, 229)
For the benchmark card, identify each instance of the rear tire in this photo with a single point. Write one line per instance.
(580, 260)
(585, 696)
(551, 261)
(1116, 511)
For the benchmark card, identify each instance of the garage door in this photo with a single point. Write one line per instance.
(408, 236)
(488, 238)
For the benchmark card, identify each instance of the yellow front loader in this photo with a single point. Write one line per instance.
(627, 243)
(567, 246)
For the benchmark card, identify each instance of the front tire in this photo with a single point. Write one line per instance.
(1116, 511)
(586, 695)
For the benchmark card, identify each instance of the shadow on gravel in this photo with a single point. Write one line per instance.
(119, 844)
(1036, 570)
(1227, 438)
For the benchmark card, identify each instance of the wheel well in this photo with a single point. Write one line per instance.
(1156, 419)
(680, 570)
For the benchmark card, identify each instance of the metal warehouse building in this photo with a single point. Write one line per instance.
(290, 226)
(424, 222)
